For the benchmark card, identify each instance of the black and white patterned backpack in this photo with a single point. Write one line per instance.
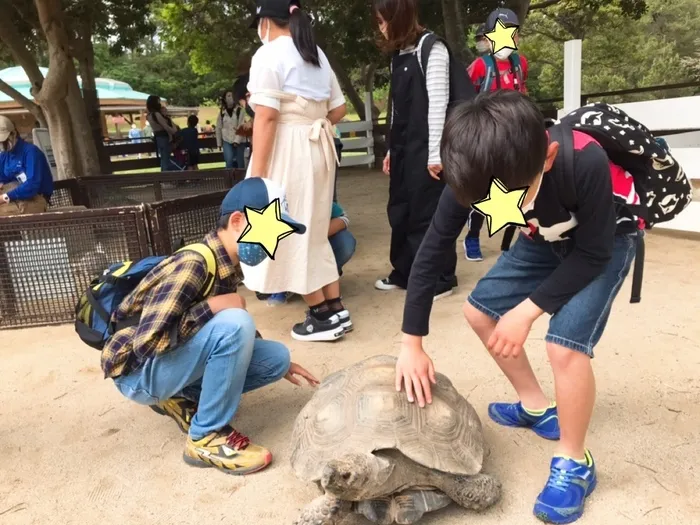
(662, 185)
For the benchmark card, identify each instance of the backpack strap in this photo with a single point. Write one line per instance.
(426, 44)
(563, 134)
(210, 259)
(516, 66)
(490, 75)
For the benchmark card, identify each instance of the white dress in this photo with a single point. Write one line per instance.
(303, 161)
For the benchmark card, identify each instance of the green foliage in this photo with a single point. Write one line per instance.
(624, 47)
(167, 74)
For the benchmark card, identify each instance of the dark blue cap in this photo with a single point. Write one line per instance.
(258, 193)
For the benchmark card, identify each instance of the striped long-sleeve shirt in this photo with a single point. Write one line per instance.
(437, 81)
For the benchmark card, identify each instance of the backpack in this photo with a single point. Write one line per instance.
(662, 185)
(461, 87)
(492, 72)
(93, 313)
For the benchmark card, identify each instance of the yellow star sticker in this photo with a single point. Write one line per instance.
(266, 227)
(502, 207)
(502, 37)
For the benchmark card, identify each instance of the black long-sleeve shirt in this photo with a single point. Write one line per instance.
(585, 206)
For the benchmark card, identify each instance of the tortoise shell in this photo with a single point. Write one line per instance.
(359, 410)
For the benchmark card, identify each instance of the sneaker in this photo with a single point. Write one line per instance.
(386, 285)
(227, 450)
(345, 320)
(514, 415)
(564, 496)
(313, 329)
(445, 290)
(472, 249)
(262, 296)
(277, 299)
(180, 409)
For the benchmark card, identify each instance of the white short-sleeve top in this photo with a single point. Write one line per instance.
(278, 66)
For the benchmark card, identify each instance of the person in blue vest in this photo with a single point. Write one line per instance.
(26, 182)
(512, 70)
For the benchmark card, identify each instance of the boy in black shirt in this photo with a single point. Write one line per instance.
(569, 262)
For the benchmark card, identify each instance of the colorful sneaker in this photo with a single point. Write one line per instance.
(313, 329)
(180, 409)
(514, 415)
(564, 496)
(229, 451)
(472, 249)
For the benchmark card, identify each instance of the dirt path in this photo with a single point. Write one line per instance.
(73, 452)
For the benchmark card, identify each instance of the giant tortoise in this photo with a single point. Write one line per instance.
(373, 453)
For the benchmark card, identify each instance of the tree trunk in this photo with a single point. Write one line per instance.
(346, 83)
(455, 32)
(61, 85)
(61, 133)
(86, 63)
(82, 131)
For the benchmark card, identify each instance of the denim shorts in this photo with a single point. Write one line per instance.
(579, 324)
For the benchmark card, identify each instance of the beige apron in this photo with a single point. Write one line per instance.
(303, 162)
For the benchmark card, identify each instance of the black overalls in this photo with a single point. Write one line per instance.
(413, 193)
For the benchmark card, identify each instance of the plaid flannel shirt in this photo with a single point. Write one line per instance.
(169, 300)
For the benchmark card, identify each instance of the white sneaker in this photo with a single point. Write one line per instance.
(386, 285)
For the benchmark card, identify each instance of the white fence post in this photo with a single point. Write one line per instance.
(572, 75)
(370, 132)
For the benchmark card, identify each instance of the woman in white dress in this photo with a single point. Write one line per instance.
(297, 100)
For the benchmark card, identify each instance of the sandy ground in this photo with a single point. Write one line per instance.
(72, 451)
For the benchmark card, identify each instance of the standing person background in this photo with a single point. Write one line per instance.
(506, 69)
(419, 102)
(231, 118)
(163, 131)
(297, 100)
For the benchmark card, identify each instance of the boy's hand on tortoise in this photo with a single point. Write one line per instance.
(297, 370)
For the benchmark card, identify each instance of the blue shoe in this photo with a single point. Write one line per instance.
(514, 415)
(472, 249)
(564, 496)
(277, 299)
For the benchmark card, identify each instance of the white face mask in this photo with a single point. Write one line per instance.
(8, 144)
(264, 39)
(503, 54)
(482, 47)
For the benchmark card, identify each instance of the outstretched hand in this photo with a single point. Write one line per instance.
(297, 370)
(415, 371)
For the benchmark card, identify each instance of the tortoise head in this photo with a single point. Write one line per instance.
(353, 476)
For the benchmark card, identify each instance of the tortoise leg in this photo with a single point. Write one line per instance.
(324, 510)
(473, 492)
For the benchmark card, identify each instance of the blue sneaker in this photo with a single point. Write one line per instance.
(564, 496)
(472, 249)
(514, 415)
(277, 299)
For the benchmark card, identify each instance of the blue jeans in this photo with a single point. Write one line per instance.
(164, 151)
(216, 366)
(579, 324)
(343, 244)
(234, 155)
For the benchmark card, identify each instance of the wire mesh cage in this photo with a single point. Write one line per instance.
(48, 260)
(177, 222)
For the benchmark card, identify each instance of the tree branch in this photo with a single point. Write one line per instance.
(29, 105)
(544, 4)
(548, 35)
(15, 43)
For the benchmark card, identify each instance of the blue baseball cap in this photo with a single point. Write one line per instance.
(258, 193)
(507, 16)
